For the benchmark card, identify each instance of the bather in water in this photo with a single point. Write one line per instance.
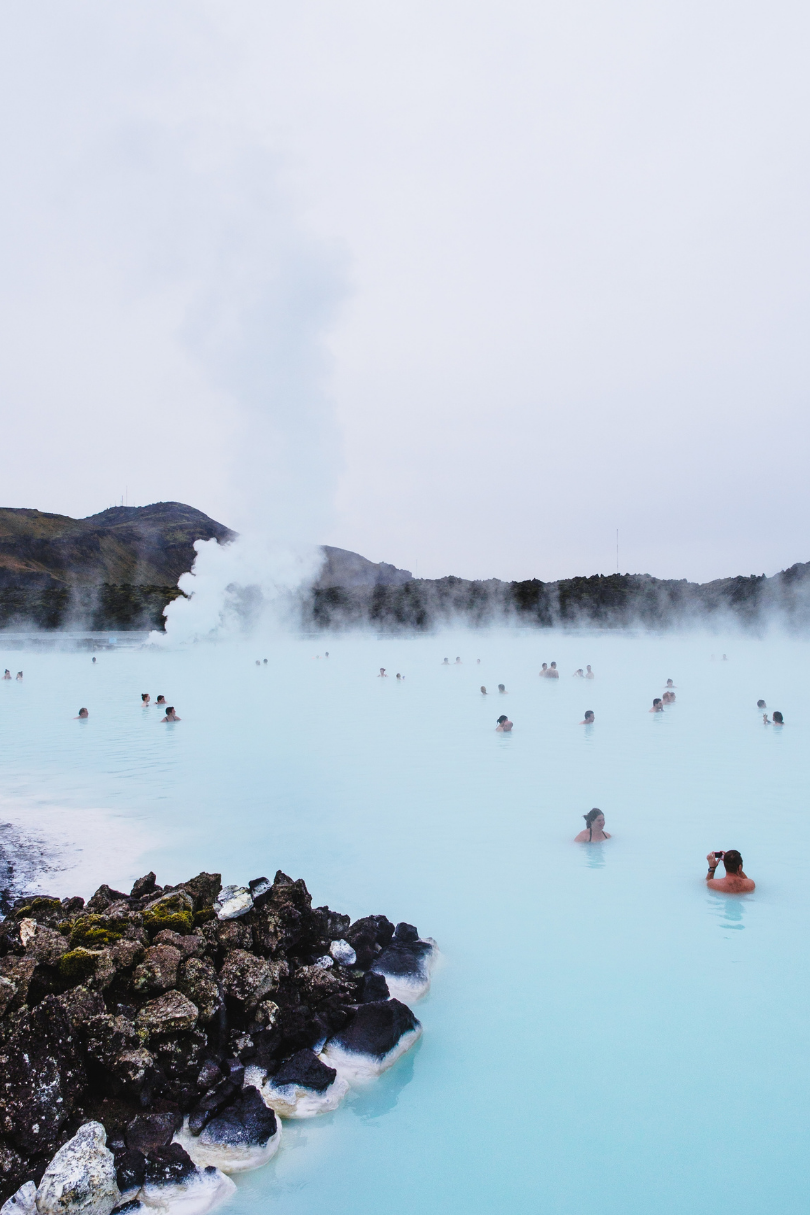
(82, 715)
(594, 831)
(552, 671)
(483, 690)
(735, 881)
(668, 698)
(589, 673)
(589, 718)
(544, 671)
(778, 719)
(170, 715)
(504, 725)
(382, 674)
(657, 705)
(579, 673)
(145, 699)
(502, 688)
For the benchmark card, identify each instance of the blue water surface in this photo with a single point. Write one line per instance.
(604, 1034)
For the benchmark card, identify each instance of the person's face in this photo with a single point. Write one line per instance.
(599, 822)
(589, 716)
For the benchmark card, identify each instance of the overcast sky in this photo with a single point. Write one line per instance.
(463, 286)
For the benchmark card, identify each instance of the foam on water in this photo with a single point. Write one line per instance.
(605, 1036)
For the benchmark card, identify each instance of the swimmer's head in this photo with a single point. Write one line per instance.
(593, 817)
(657, 701)
(732, 861)
(761, 704)
(483, 689)
(501, 687)
(777, 716)
(670, 684)
(83, 713)
(502, 719)
(589, 714)
(161, 700)
(553, 665)
(144, 697)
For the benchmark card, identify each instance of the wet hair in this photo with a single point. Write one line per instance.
(588, 713)
(761, 704)
(658, 701)
(169, 709)
(82, 711)
(590, 819)
(501, 687)
(144, 695)
(502, 719)
(732, 861)
(161, 696)
(777, 716)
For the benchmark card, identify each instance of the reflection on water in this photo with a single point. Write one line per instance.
(383, 1095)
(594, 855)
(729, 909)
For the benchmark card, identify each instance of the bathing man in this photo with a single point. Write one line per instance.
(735, 881)
(504, 725)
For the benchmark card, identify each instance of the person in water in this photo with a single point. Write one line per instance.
(446, 662)
(552, 672)
(19, 675)
(589, 718)
(504, 725)
(579, 673)
(458, 662)
(7, 674)
(668, 698)
(170, 715)
(588, 673)
(544, 671)
(594, 831)
(501, 687)
(94, 660)
(761, 704)
(657, 706)
(161, 700)
(735, 881)
(483, 690)
(382, 674)
(145, 699)
(82, 714)
(670, 684)
(778, 719)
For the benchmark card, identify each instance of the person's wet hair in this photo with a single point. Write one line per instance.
(144, 695)
(761, 704)
(588, 713)
(501, 687)
(502, 719)
(777, 716)
(591, 816)
(657, 701)
(732, 861)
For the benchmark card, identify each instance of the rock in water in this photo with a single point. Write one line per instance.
(80, 1180)
(24, 1202)
(302, 1087)
(244, 1135)
(233, 901)
(406, 963)
(378, 1034)
(174, 1183)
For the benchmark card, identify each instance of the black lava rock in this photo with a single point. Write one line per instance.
(150, 1131)
(170, 1165)
(306, 1069)
(130, 1169)
(247, 1122)
(376, 1028)
(374, 988)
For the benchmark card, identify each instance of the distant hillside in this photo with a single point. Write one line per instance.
(117, 569)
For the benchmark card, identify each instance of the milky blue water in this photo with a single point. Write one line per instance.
(605, 1035)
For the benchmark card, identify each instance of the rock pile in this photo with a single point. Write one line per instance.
(150, 1042)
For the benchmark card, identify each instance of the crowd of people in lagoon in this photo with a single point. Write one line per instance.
(735, 881)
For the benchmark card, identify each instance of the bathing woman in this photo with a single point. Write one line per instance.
(595, 828)
(504, 725)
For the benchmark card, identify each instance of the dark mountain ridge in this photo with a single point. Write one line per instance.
(119, 569)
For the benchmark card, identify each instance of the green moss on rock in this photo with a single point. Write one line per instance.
(38, 909)
(95, 931)
(77, 965)
(158, 918)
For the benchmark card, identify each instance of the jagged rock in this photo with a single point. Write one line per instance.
(259, 887)
(109, 1036)
(316, 983)
(172, 1178)
(406, 963)
(23, 1202)
(158, 970)
(233, 901)
(168, 1014)
(374, 988)
(150, 1131)
(81, 1004)
(190, 947)
(130, 1170)
(8, 991)
(203, 889)
(145, 885)
(137, 1072)
(368, 937)
(180, 1056)
(198, 980)
(302, 1087)
(173, 910)
(104, 897)
(18, 972)
(244, 1135)
(45, 945)
(342, 952)
(330, 924)
(80, 1180)
(14, 1172)
(376, 1036)
(125, 954)
(246, 978)
(266, 1013)
(43, 1078)
(234, 934)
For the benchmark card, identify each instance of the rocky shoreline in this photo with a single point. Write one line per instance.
(151, 1043)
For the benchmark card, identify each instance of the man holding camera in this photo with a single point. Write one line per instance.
(735, 881)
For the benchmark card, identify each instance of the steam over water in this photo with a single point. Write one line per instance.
(604, 1036)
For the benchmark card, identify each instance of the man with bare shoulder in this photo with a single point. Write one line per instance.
(735, 881)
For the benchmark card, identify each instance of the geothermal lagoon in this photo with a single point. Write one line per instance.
(602, 1035)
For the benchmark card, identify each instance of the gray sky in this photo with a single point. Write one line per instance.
(462, 286)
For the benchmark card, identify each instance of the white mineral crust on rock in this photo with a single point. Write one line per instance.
(232, 902)
(24, 1202)
(342, 952)
(80, 1180)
